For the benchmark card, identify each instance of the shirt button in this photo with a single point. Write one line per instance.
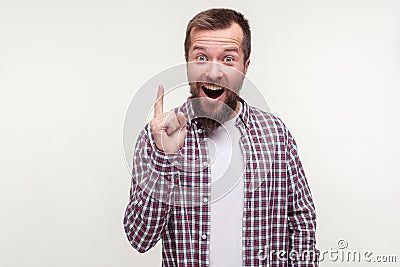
(175, 163)
(204, 237)
(205, 163)
(199, 130)
(205, 200)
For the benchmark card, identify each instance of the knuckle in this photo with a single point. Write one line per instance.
(154, 124)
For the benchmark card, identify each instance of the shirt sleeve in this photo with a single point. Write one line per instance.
(302, 217)
(151, 194)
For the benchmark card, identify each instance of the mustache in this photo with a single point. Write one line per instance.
(219, 82)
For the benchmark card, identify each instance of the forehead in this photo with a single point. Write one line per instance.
(231, 36)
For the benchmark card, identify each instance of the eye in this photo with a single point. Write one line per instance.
(201, 58)
(228, 59)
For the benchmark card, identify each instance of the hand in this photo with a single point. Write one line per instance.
(168, 128)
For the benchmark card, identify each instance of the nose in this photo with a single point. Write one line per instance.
(214, 71)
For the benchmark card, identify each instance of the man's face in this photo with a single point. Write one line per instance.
(216, 71)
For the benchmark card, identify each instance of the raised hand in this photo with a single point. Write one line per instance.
(168, 128)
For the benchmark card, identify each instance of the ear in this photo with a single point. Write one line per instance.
(246, 65)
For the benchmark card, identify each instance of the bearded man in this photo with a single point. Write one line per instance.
(217, 180)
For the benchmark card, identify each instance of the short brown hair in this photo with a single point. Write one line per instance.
(216, 19)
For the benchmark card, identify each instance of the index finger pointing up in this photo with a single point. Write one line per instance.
(158, 106)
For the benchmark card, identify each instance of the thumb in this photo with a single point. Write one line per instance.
(182, 131)
(181, 119)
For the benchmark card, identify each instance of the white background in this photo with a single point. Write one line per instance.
(68, 70)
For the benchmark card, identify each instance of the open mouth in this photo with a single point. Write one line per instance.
(213, 91)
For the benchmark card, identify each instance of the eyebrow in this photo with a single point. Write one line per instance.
(198, 47)
(228, 49)
(231, 49)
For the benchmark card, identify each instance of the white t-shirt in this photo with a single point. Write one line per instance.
(227, 167)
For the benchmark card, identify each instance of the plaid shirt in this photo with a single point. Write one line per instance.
(170, 193)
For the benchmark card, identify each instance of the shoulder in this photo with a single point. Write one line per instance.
(273, 129)
(267, 120)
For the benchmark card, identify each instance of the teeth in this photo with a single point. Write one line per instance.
(210, 87)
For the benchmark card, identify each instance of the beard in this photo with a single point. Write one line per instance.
(211, 115)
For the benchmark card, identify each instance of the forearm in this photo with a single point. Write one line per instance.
(147, 215)
(152, 191)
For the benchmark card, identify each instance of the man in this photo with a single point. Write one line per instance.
(263, 214)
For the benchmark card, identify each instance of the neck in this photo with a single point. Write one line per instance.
(236, 111)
